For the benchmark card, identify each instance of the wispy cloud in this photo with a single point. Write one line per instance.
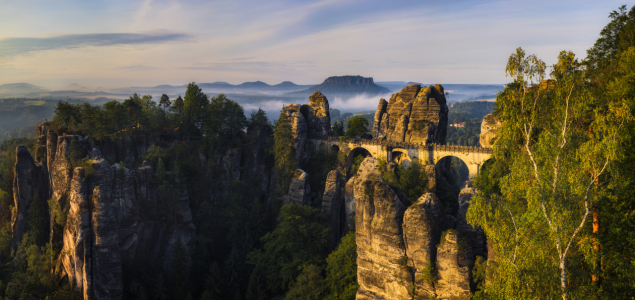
(21, 45)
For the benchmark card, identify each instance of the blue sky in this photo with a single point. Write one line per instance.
(151, 42)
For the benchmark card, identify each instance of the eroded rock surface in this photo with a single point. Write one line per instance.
(333, 204)
(489, 130)
(116, 216)
(382, 271)
(454, 266)
(30, 182)
(415, 115)
(308, 121)
(299, 190)
(401, 254)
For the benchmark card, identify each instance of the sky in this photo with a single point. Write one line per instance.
(150, 42)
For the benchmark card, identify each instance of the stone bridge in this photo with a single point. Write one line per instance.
(404, 153)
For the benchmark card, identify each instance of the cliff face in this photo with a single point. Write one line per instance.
(414, 115)
(308, 121)
(115, 214)
(401, 251)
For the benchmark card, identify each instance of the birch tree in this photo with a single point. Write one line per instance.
(557, 143)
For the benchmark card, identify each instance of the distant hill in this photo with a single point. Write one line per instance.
(344, 86)
(16, 89)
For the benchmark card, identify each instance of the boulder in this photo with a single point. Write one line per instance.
(489, 130)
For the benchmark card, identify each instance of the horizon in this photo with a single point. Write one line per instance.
(152, 42)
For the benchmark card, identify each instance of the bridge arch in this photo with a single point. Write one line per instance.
(400, 156)
(354, 153)
(458, 168)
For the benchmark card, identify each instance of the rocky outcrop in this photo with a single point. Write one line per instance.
(308, 121)
(116, 217)
(380, 116)
(317, 115)
(401, 254)
(353, 190)
(30, 184)
(333, 204)
(415, 115)
(489, 130)
(454, 266)
(382, 271)
(299, 190)
(421, 237)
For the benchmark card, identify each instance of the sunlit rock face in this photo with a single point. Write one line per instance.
(489, 130)
(415, 114)
(408, 251)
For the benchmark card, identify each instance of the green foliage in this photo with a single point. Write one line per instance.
(299, 240)
(309, 285)
(357, 162)
(258, 118)
(338, 128)
(553, 155)
(320, 163)
(225, 123)
(341, 271)
(194, 109)
(357, 127)
(429, 273)
(284, 150)
(412, 181)
(478, 272)
(165, 102)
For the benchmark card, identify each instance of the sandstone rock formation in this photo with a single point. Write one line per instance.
(415, 115)
(421, 238)
(299, 190)
(353, 190)
(308, 121)
(115, 215)
(382, 271)
(454, 266)
(399, 246)
(489, 129)
(333, 204)
(30, 182)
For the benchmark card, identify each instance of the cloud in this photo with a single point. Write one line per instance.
(21, 45)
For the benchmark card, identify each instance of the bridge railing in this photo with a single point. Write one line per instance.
(407, 145)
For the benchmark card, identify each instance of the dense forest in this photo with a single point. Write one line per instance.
(555, 201)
